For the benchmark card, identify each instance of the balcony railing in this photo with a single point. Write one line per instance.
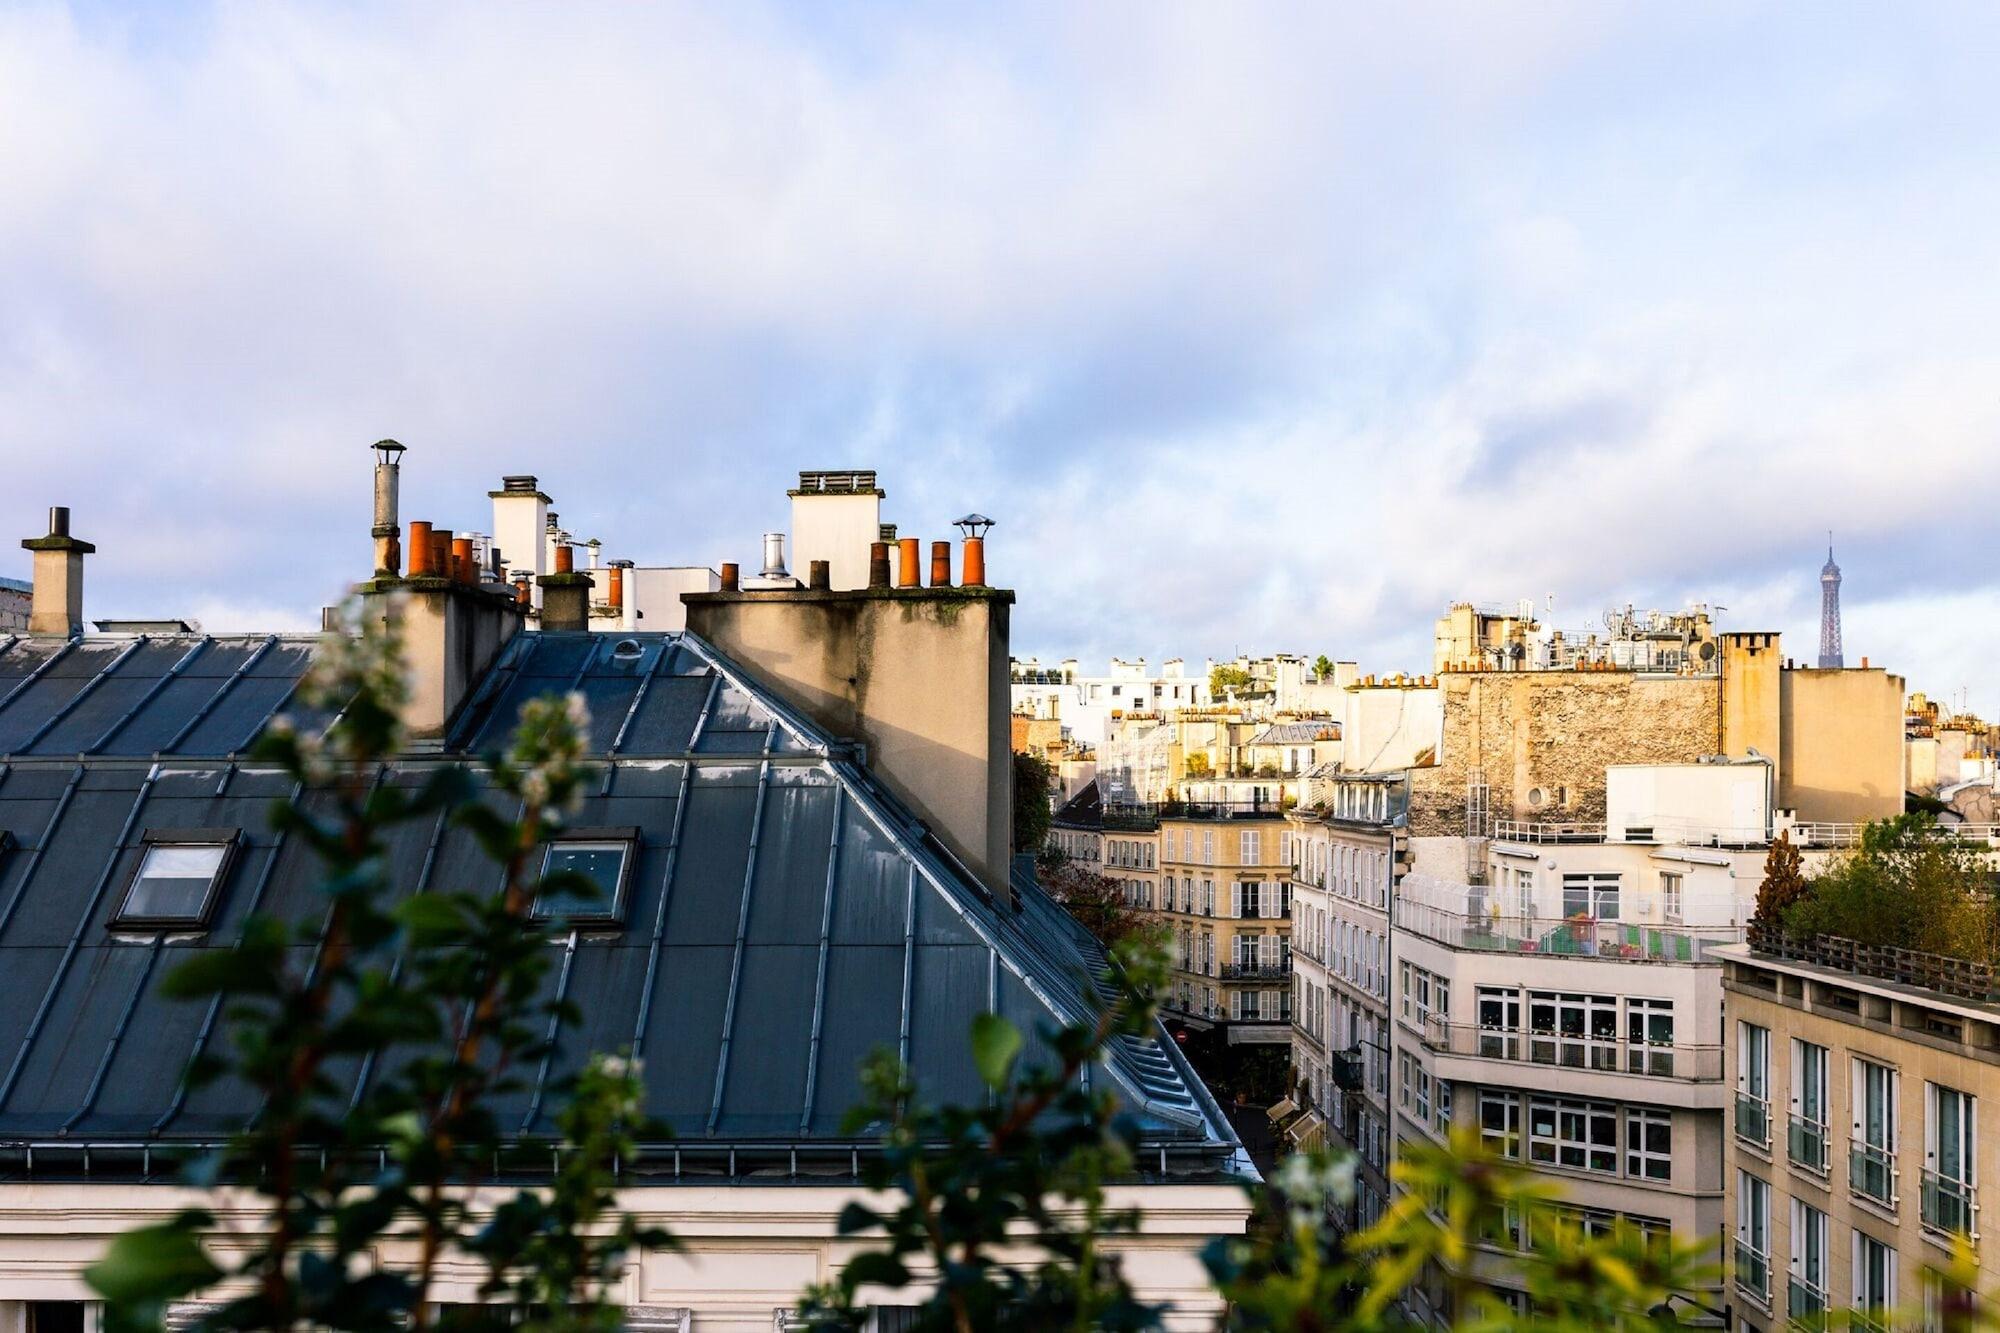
(1806, 1144)
(1691, 1064)
(1547, 831)
(1753, 1272)
(1871, 1173)
(1849, 835)
(1961, 977)
(1948, 1205)
(1574, 937)
(1256, 971)
(1753, 1119)
(1807, 1303)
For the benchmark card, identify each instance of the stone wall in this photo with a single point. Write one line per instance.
(1542, 740)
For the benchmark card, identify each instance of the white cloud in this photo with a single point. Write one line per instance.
(1254, 326)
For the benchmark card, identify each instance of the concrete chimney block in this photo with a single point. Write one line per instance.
(57, 605)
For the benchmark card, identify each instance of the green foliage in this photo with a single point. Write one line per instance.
(1904, 887)
(1784, 881)
(446, 982)
(1197, 764)
(1323, 667)
(1025, 1174)
(1034, 782)
(1222, 679)
(1097, 901)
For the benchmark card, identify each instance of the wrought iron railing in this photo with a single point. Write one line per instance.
(1256, 971)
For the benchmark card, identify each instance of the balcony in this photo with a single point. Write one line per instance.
(1871, 1174)
(1256, 971)
(1753, 1119)
(1574, 937)
(1806, 1144)
(1547, 832)
(1949, 1205)
(1753, 1273)
(1610, 1055)
(1806, 1303)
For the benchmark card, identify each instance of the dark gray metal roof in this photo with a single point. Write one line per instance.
(786, 916)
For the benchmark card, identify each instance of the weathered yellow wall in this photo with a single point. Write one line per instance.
(1843, 744)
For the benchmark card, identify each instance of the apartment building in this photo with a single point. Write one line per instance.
(1225, 894)
(1076, 829)
(1344, 856)
(806, 791)
(1853, 1165)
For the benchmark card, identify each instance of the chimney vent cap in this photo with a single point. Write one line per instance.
(973, 525)
(388, 452)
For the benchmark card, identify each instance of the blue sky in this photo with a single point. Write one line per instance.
(1254, 326)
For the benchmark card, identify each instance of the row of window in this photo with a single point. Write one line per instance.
(1267, 899)
(1579, 1135)
(1128, 852)
(1946, 1195)
(1358, 956)
(1249, 846)
(1358, 873)
(1872, 1263)
(1597, 895)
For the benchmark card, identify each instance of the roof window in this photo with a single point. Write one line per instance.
(179, 877)
(584, 876)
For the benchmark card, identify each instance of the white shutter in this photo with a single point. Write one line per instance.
(1235, 900)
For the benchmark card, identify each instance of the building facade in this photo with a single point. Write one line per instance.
(1224, 894)
(1855, 1159)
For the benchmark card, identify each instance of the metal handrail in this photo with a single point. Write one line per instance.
(1871, 1173)
(1753, 1118)
(1686, 1064)
(1806, 1144)
(1949, 1206)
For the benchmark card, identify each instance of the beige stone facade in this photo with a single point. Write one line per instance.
(1225, 894)
(1855, 1160)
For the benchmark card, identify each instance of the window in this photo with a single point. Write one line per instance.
(1592, 895)
(1580, 1031)
(1408, 994)
(1423, 1094)
(1753, 1083)
(584, 878)
(1670, 895)
(1405, 1077)
(1442, 1118)
(1250, 847)
(1948, 1149)
(1499, 1018)
(1874, 1279)
(1807, 1138)
(178, 877)
(1208, 846)
(1500, 1123)
(1808, 1294)
(1649, 1139)
(1753, 1235)
(1580, 1135)
(1872, 1156)
(1649, 1036)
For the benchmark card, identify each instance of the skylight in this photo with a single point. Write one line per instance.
(175, 884)
(600, 862)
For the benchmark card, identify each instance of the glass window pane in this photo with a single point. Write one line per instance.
(173, 882)
(602, 863)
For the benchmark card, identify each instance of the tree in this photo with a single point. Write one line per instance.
(1097, 901)
(1034, 783)
(1197, 764)
(1909, 885)
(1784, 881)
(1225, 678)
(1323, 667)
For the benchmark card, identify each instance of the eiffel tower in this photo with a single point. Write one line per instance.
(1829, 610)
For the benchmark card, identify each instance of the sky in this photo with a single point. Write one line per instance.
(1255, 327)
